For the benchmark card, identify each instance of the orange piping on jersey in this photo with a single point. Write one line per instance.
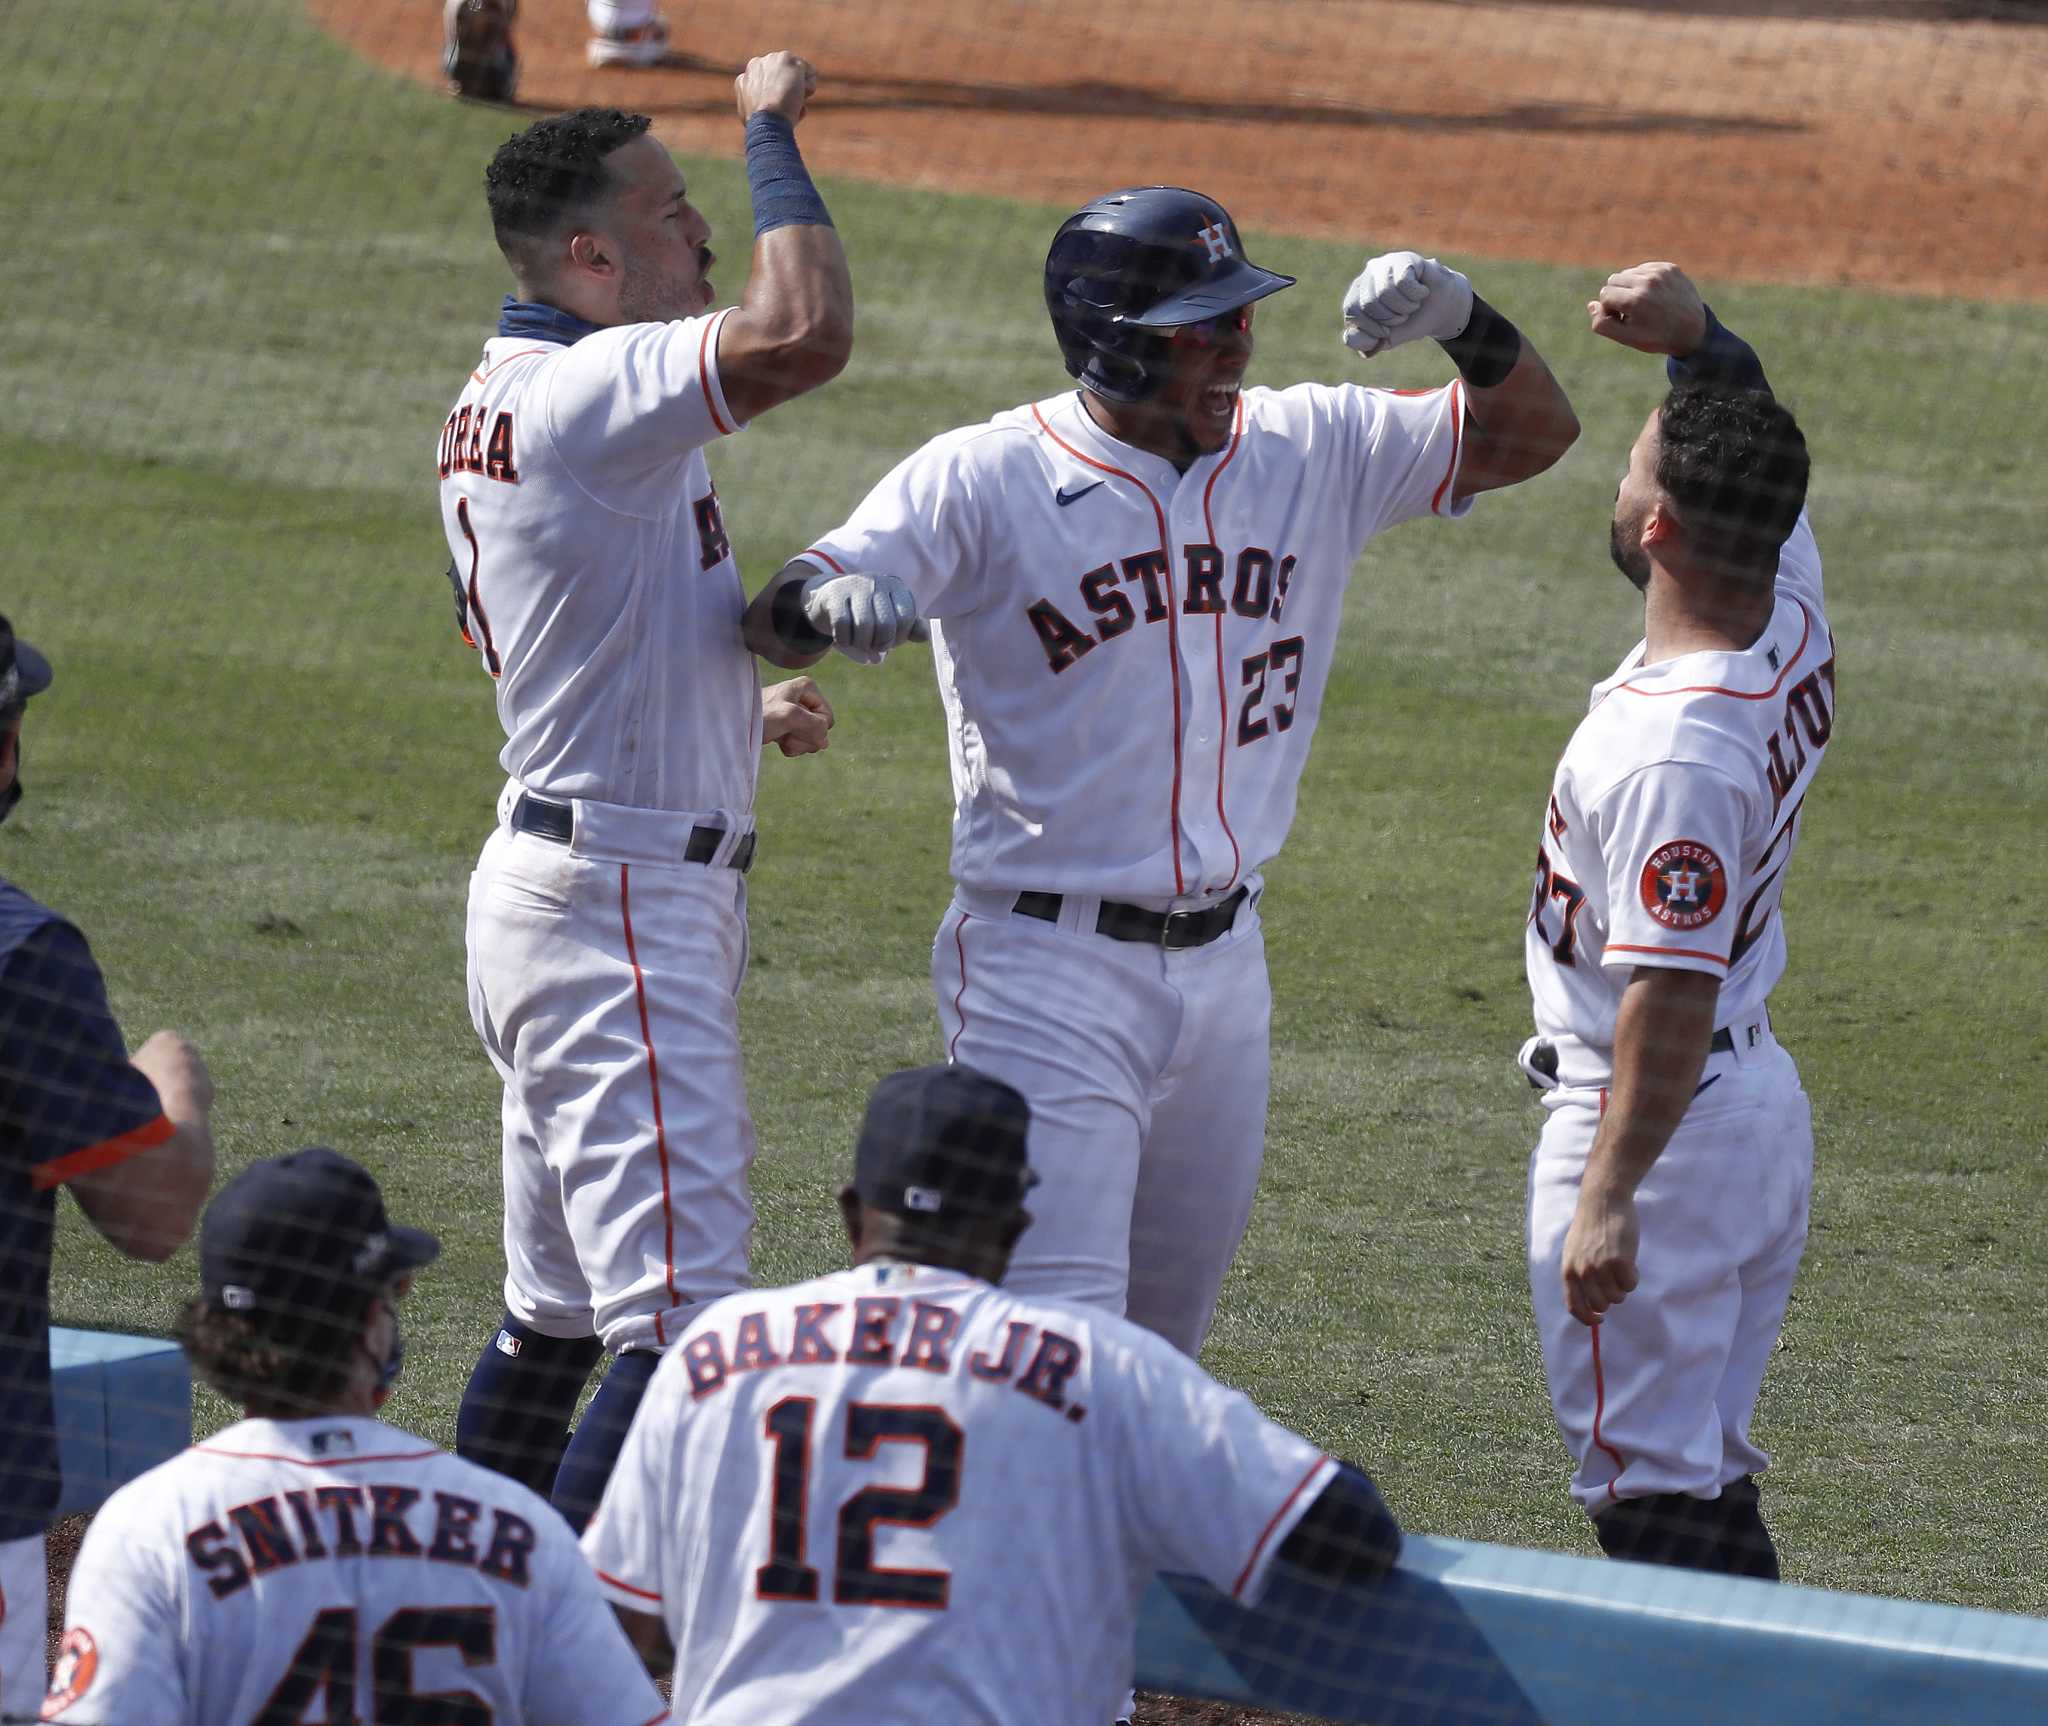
(626, 1588)
(483, 373)
(1600, 1389)
(1222, 697)
(1792, 659)
(1457, 439)
(1252, 1563)
(319, 1462)
(1600, 1377)
(704, 372)
(1180, 884)
(960, 947)
(668, 1215)
(104, 1155)
(1673, 952)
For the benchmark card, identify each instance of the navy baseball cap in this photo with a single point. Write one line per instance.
(944, 1142)
(304, 1233)
(23, 671)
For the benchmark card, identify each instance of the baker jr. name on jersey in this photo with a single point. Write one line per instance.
(881, 1330)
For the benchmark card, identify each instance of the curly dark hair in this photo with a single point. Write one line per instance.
(291, 1365)
(1734, 463)
(552, 172)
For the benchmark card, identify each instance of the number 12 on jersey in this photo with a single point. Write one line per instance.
(789, 1426)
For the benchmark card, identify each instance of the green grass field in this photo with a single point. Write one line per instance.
(246, 277)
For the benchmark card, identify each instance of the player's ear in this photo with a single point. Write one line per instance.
(1660, 529)
(850, 1214)
(591, 252)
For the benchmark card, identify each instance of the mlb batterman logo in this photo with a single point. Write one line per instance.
(1684, 885)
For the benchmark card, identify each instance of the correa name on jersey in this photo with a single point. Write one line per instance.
(881, 1330)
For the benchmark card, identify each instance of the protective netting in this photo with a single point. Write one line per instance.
(250, 270)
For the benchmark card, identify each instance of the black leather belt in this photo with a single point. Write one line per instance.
(557, 821)
(1723, 1041)
(1120, 922)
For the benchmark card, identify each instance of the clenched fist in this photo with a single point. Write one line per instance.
(1404, 297)
(1653, 308)
(865, 615)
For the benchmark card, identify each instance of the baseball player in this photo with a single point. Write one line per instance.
(629, 33)
(311, 1562)
(478, 55)
(595, 578)
(128, 1136)
(1136, 589)
(1668, 1193)
(903, 1493)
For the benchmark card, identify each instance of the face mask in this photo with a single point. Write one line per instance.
(393, 1362)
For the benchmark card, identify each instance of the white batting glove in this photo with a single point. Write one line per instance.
(865, 615)
(1404, 297)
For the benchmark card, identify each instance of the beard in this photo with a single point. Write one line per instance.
(649, 296)
(1629, 557)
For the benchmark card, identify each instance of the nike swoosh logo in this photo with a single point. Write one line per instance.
(1704, 1083)
(1063, 497)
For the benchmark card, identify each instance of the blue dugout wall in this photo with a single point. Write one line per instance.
(1474, 1635)
(1463, 1634)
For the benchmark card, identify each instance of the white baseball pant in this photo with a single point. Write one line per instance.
(1146, 1070)
(604, 982)
(24, 1610)
(1658, 1396)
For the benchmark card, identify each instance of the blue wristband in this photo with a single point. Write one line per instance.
(783, 194)
(1722, 357)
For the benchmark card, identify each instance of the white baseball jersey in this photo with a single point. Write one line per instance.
(337, 1569)
(598, 583)
(1672, 821)
(898, 1493)
(1132, 659)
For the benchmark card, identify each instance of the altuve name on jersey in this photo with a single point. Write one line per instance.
(882, 1330)
(373, 1521)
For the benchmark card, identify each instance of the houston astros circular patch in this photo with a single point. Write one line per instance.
(72, 1677)
(1684, 885)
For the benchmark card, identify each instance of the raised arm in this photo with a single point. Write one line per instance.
(1655, 309)
(1519, 420)
(793, 327)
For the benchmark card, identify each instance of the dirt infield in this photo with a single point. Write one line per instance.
(1881, 145)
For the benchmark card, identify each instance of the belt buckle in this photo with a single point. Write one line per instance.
(1172, 938)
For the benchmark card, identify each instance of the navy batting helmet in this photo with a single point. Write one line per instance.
(1130, 267)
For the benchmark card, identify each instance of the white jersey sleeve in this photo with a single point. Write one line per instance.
(1402, 446)
(924, 524)
(1213, 1486)
(1671, 837)
(1799, 564)
(626, 405)
(128, 1664)
(604, 1682)
(623, 1541)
